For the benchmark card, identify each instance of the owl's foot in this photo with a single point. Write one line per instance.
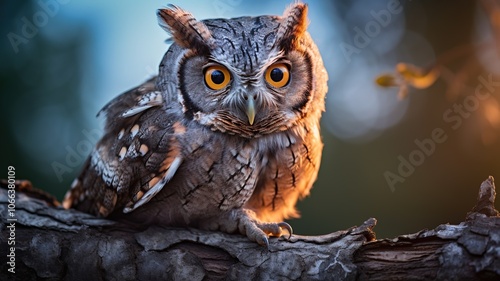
(272, 229)
(245, 222)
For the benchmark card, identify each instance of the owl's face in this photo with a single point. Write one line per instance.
(249, 76)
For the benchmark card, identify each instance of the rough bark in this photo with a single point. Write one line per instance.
(56, 244)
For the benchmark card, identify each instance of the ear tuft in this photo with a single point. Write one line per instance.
(293, 25)
(186, 31)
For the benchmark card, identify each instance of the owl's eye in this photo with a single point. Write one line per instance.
(278, 75)
(217, 77)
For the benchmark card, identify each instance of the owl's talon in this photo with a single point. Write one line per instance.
(287, 227)
(266, 242)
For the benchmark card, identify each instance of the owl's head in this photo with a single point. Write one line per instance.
(248, 76)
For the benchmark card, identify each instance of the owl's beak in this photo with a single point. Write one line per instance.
(250, 110)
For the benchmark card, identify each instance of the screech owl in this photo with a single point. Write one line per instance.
(226, 137)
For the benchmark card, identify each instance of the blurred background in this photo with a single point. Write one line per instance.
(412, 155)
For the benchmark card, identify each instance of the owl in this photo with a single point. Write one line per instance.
(225, 138)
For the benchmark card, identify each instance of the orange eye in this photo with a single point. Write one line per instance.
(278, 75)
(217, 77)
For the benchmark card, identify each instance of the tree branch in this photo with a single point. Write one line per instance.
(53, 243)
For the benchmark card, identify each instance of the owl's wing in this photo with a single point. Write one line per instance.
(138, 154)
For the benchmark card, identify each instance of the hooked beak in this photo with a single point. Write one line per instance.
(250, 110)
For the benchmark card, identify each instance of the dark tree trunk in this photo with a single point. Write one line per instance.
(56, 244)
